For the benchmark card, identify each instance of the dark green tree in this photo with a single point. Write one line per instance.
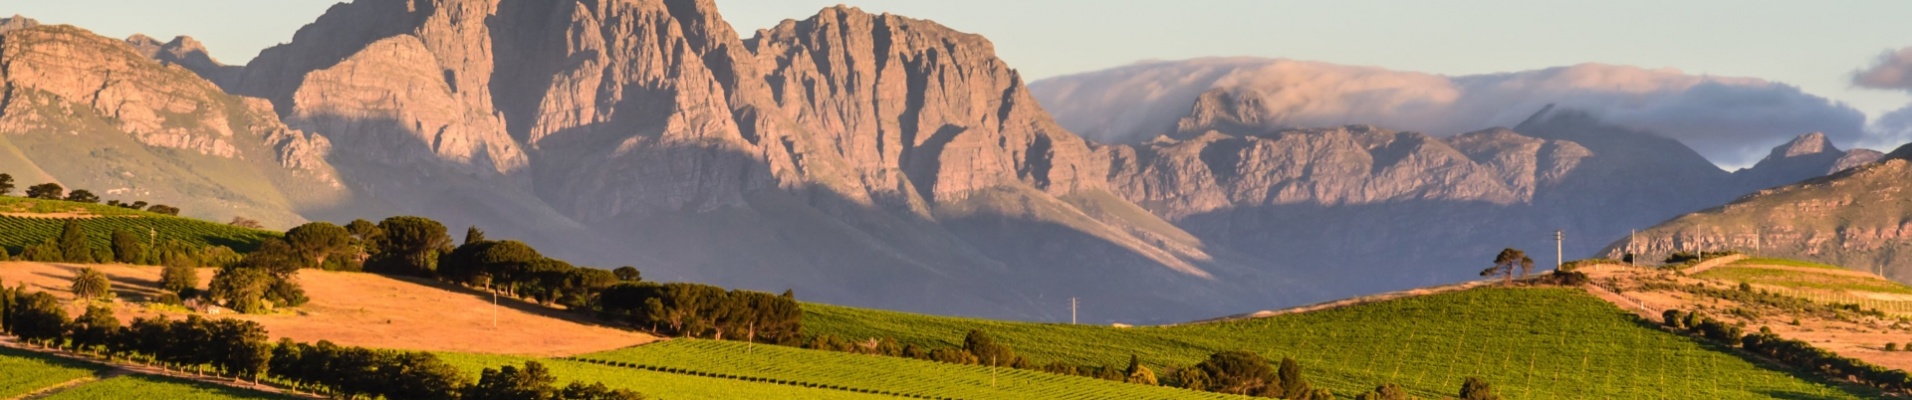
(179, 277)
(628, 274)
(128, 247)
(1293, 384)
(1387, 392)
(82, 196)
(241, 288)
(6, 184)
(38, 317)
(94, 330)
(46, 191)
(409, 245)
(163, 209)
(314, 242)
(533, 382)
(91, 284)
(596, 391)
(1239, 372)
(474, 235)
(987, 351)
(1506, 263)
(1191, 378)
(1478, 389)
(74, 247)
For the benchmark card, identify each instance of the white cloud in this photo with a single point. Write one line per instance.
(1732, 121)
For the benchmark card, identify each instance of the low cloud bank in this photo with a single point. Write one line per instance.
(1732, 121)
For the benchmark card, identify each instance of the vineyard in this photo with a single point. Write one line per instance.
(1531, 343)
(27, 372)
(1840, 280)
(156, 387)
(894, 376)
(658, 385)
(17, 231)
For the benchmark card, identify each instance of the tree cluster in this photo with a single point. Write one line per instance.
(1247, 373)
(53, 191)
(240, 349)
(74, 245)
(1509, 262)
(697, 310)
(1795, 353)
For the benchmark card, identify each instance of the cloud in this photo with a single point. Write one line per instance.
(1892, 70)
(1732, 121)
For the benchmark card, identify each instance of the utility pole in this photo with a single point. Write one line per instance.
(1560, 258)
(1072, 311)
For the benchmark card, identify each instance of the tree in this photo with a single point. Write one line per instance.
(473, 235)
(1137, 373)
(240, 347)
(1526, 266)
(91, 284)
(95, 328)
(596, 391)
(74, 247)
(1387, 392)
(83, 196)
(1191, 378)
(1477, 389)
(38, 317)
(6, 184)
(163, 209)
(128, 248)
(317, 240)
(243, 222)
(987, 351)
(1505, 263)
(533, 382)
(1292, 383)
(241, 288)
(1238, 372)
(179, 277)
(409, 245)
(46, 191)
(628, 274)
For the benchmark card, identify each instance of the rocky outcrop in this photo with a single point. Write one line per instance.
(16, 22)
(1809, 156)
(97, 113)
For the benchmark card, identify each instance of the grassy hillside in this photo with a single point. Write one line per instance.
(1531, 343)
(25, 222)
(894, 375)
(27, 372)
(658, 385)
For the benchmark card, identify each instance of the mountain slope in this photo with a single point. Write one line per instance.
(1855, 218)
(91, 112)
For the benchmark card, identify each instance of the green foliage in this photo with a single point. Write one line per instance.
(46, 191)
(128, 247)
(1539, 343)
(317, 241)
(179, 277)
(6, 184)
(94, 329)
(1803, 280)
(21, 232)
(1240, 372)
(90, 284)
(241, 288)
(37, 317)
(1387, 392)
(408, 245)
(1475, 388)
(74, 247)
(743, 363)
(82, 196)
(628, 274)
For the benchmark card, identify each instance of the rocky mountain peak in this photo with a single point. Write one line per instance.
(1807, 144)
(16, 22)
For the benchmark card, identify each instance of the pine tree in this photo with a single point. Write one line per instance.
(73, 244)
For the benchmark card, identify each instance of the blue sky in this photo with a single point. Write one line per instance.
(1815, 45)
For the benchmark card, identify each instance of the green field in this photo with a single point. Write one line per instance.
(156, 387)
(894, 375)
(1547, 343)
(1804, 280)
(16, 233)
(1785, 262)
(654, 385)
(26, 372)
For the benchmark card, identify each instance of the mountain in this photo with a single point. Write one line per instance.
(94, 113)
(1854, 218)
(857, 158)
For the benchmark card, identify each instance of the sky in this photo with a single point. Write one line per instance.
(1817, 46)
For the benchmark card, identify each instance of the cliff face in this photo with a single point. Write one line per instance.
(846, 144)
(95, 113)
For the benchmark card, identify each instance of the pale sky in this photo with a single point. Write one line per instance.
(1814, 45)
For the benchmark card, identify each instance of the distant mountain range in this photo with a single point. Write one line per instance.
(860, 159)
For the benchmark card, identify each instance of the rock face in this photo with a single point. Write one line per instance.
(1809, 156)
(159, 134)
(1855, 218)
(847, 147)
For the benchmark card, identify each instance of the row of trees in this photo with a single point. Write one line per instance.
(123, 246)
(241, 349)
(1796, 353)
(53, 191)
(697, 310)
